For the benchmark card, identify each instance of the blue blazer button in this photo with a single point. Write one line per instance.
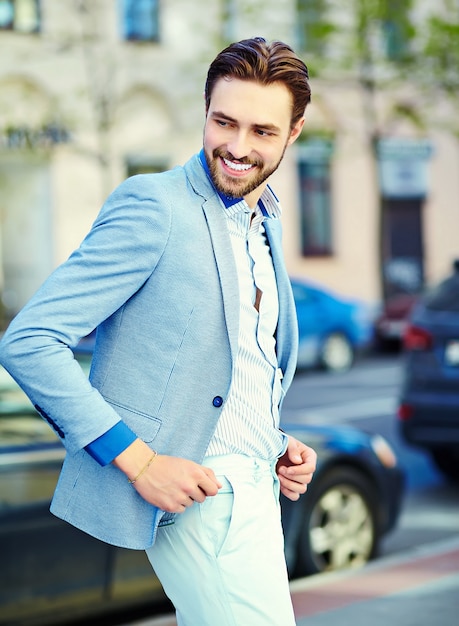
(217, 401)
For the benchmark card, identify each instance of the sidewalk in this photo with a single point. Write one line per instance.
(416, 588)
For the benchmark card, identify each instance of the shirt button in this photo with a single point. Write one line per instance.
(217, 401)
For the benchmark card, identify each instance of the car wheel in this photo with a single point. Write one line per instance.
(340, 524)
(337, 353)
(447, 461)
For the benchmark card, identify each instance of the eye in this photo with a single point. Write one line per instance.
(263, 133)
(222, 123)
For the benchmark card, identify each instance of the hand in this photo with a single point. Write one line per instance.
(295, 468)
(173, 484)
(170, 483)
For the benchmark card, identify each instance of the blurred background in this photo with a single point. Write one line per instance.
(94, 91)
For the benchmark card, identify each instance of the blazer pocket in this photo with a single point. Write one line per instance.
(144, 425)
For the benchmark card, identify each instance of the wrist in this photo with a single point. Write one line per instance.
(133, 459)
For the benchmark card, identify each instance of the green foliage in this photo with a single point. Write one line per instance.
(407, 111)
(441, 48)
(356, 34)
(314, 134)
(313, 25)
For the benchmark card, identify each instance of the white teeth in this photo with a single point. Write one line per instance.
(239, 167)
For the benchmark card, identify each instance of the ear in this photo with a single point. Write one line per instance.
(296, 131)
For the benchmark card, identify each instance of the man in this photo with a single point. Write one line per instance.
(174, 444)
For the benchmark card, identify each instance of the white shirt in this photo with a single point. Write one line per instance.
(250, 418)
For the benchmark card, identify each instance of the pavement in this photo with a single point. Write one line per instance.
(419, 587)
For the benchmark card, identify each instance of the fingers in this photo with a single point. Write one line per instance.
(175, 484)
(296, 468)
(301, 473)
(299, 484)
(211, 486)
(291, 495)
(293, 489)
(208, 485)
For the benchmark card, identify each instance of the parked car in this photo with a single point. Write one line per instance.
(53, 573)
(391, 323)
(333, 329)
(429, 400)
(353, 501)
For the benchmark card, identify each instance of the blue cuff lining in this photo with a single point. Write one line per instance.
(106, 447)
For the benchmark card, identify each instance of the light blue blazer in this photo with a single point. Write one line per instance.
(156, 275)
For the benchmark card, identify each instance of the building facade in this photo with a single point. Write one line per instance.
(92, 92)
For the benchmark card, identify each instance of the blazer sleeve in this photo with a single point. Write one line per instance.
(117, 256)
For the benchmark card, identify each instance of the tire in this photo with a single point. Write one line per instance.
(447, 461)
(337, 353)
(340, 528)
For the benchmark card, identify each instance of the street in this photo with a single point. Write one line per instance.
(366, 397)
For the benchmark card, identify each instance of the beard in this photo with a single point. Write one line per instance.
(234, 187)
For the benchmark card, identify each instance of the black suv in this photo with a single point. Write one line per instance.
(429, 403)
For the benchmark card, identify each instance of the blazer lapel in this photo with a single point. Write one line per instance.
(226, 267)
(287, 328)
(221, 243)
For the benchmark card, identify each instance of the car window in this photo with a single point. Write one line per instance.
(23, 429)
(30, 460)
(31, 454)
(445, 296)
(25, 484)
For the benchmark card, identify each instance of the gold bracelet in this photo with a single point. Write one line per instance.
(131, 481)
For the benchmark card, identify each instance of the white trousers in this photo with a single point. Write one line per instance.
(222, 562)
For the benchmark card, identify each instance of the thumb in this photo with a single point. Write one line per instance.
(294, 455)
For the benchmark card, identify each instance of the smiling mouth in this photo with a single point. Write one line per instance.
(238, 167)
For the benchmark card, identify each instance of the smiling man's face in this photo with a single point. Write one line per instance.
(245, 136)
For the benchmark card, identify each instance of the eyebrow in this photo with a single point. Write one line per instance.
(267, 126)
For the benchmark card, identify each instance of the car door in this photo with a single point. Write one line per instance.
(49, 569)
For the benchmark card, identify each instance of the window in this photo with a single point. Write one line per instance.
(313, 26)
(396, 41)
(229, 20)
(20, 15)
(397, 29)
(314, 175)
(139, 19)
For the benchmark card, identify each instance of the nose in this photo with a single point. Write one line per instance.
(238, 145)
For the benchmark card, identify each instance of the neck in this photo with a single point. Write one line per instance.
(253, 197)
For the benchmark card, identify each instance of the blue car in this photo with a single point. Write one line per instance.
(333, 329)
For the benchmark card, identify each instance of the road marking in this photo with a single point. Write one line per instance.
(445, 520)
(335, 414)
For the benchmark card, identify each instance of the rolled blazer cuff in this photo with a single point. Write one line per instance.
(107, 447)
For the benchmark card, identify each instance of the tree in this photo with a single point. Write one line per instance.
(368, 43)
(438, 74)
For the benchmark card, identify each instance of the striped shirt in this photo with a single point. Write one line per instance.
(250, 418)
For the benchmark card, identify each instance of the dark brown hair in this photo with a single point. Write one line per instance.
(256, 59)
